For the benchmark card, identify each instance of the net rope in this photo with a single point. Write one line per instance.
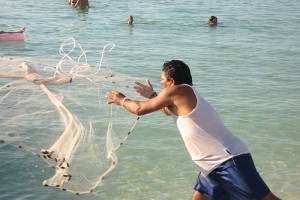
(59, 113)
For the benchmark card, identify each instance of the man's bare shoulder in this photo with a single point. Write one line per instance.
(178, 90)
(183, 99)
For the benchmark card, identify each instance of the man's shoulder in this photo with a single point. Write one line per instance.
(178, 90)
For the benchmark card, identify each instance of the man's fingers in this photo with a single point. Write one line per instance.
(111, 94)
(109, 102)
(139, 84)
(148, 83)
(137, 88)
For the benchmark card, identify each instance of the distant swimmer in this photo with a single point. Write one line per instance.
(213, 21)
(130, 19)
(83, 4)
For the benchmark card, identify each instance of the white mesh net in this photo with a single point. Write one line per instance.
(60, 114)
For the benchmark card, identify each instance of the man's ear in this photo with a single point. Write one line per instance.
(172, 81)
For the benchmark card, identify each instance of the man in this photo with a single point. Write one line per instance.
(226, 167)
(130, 19)
(212, 21)
(83, 4)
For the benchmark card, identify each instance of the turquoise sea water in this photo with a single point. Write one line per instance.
(247, 68)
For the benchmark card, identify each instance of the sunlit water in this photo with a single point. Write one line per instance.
(247, 68)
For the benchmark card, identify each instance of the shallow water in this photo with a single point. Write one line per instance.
(247, 68)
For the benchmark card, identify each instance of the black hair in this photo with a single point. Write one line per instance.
(179, 71)
(213, 18)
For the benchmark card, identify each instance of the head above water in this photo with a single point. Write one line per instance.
(179, 71)
(130, 19)
(213, 20)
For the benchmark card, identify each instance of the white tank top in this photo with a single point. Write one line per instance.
(206, 137)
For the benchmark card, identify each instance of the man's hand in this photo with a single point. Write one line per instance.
(145, 90)
(115, 97)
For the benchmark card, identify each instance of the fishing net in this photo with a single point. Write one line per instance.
(59, 113)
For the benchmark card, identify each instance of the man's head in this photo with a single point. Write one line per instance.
(177, 70)
(213, 20)
(130, 19)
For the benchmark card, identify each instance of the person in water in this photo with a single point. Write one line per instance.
(130, 19)
(83, 4)
(226, 167)
(212, 21)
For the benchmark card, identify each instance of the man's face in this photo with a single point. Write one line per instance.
(164, 81)
(213, 21)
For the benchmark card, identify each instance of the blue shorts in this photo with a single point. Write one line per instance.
(235, 179)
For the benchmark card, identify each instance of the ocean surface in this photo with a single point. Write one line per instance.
(248, 68)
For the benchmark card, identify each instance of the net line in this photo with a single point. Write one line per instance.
(80, 66)
(59, 113)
